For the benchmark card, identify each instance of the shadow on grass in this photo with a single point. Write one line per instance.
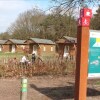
(62, 93)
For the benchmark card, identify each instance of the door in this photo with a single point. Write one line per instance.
(35, 49)
(13, 49)
(0, 47)
(66, 51)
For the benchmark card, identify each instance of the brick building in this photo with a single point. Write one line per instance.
(14, 45)
(41, 47)
(66, 46)
(2, 45)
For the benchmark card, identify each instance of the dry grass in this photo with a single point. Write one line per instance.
(13, 68)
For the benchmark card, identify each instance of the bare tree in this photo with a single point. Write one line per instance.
(5, 36)
(68, 5)
(27, 24)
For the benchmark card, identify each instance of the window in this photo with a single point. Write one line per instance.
(51, 48)
(44, 48)
(66, 49)
(0, 47)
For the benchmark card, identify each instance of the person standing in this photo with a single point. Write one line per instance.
(33, 58)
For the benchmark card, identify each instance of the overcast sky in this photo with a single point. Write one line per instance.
(10, 9)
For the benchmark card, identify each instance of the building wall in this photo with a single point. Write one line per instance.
(31, 48)
(71, 49)
(5, 48)
(61, 49)
(22, 48)
(42, 49)
(47, 50)
(18, 48)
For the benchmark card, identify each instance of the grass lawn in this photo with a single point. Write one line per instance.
(10, 55)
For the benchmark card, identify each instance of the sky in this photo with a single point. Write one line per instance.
(10, 9)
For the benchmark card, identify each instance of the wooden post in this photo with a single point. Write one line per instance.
(23, 95)
(81, 63)
(82, 54)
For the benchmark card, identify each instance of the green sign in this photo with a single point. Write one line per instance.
(94, 55)
(24, 85)
(24, 89)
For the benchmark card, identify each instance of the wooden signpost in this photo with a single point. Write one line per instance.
(82, 54)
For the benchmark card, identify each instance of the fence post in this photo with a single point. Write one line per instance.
(23, 95)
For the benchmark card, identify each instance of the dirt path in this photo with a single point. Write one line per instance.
(45, 88)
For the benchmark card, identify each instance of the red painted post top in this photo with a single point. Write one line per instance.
(84, 21)
(86, 12)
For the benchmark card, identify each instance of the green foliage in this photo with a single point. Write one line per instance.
(56, 26)
(97, 83)
(95, 22)
(10, 55)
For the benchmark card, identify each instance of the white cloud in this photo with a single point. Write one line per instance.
(94, 10)
(12, 5)
(9, 10)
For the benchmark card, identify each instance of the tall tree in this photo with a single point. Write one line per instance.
(27, 24)
(57, 25)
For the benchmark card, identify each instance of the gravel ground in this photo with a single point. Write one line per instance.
(46, 88)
